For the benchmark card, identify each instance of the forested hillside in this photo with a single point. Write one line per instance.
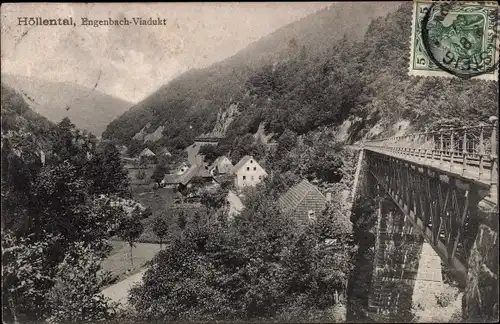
(194, 98)
(16, 113)
(88, 108)
(311, 89)
(59, 189)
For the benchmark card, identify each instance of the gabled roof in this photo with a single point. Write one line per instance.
(242, 162)
(223, 178)
(203, 171)
(222, 164)
(193, 156)
(147, 152)
(302, 198)
(188, 175)
(193, 171)
(220, 159)
(164, 151)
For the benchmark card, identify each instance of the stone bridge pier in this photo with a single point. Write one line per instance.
(407, 270)
(480, 303)
(461, 231)
(398, 252)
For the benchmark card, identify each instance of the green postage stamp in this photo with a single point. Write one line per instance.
(455, 39)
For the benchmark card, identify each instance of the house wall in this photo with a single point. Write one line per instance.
(250, 174)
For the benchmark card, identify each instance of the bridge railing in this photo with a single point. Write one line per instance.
(470, 151)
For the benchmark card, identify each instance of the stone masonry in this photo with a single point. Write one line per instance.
(481, 294)
(397, 254)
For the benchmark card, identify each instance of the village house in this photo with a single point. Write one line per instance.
(247, 172)
(164, 152)
(146, 153)
(204, 174)
(139, 174)
(147, 156)
(183, 168)
(184, 179)
(303, 202)
(221, 165)
(193, 150)
(193, 153)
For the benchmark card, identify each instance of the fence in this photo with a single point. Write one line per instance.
(469, 151)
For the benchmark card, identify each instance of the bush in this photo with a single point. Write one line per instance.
(147, 213)
(141, 175)
(446, 297)
(76, 295)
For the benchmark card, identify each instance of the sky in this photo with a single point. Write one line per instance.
(130, 62)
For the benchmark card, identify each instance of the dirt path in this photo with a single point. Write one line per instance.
(119, 291)
(118, 263)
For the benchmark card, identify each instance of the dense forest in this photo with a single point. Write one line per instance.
(309, 89)
(59, 186)
(16, 114)
(196, 96)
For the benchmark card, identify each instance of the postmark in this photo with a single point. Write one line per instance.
(455, 39)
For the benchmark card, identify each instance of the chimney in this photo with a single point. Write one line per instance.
(329, 197)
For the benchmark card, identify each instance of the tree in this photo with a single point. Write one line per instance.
(287, 140)
(76, 295)
(25, 274)
(48, 206)
(160, 228)
(146, 213)
(242, 146)
(130, 229)
(181, 220)
(332, 224)
(140, 175)
(258, 266)
(210, 152)
(108, 172)
(278, 183)
(134, 148)
(159, 173)
(213, 199)
(164, 161)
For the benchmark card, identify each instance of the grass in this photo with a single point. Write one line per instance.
(156, 199)
(118, 262)
(157, 202)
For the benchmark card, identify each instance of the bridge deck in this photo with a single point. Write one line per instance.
(444, 165)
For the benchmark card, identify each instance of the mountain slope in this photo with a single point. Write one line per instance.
(17, 115)
(195, 97)
(89, 109)
(365, 83)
